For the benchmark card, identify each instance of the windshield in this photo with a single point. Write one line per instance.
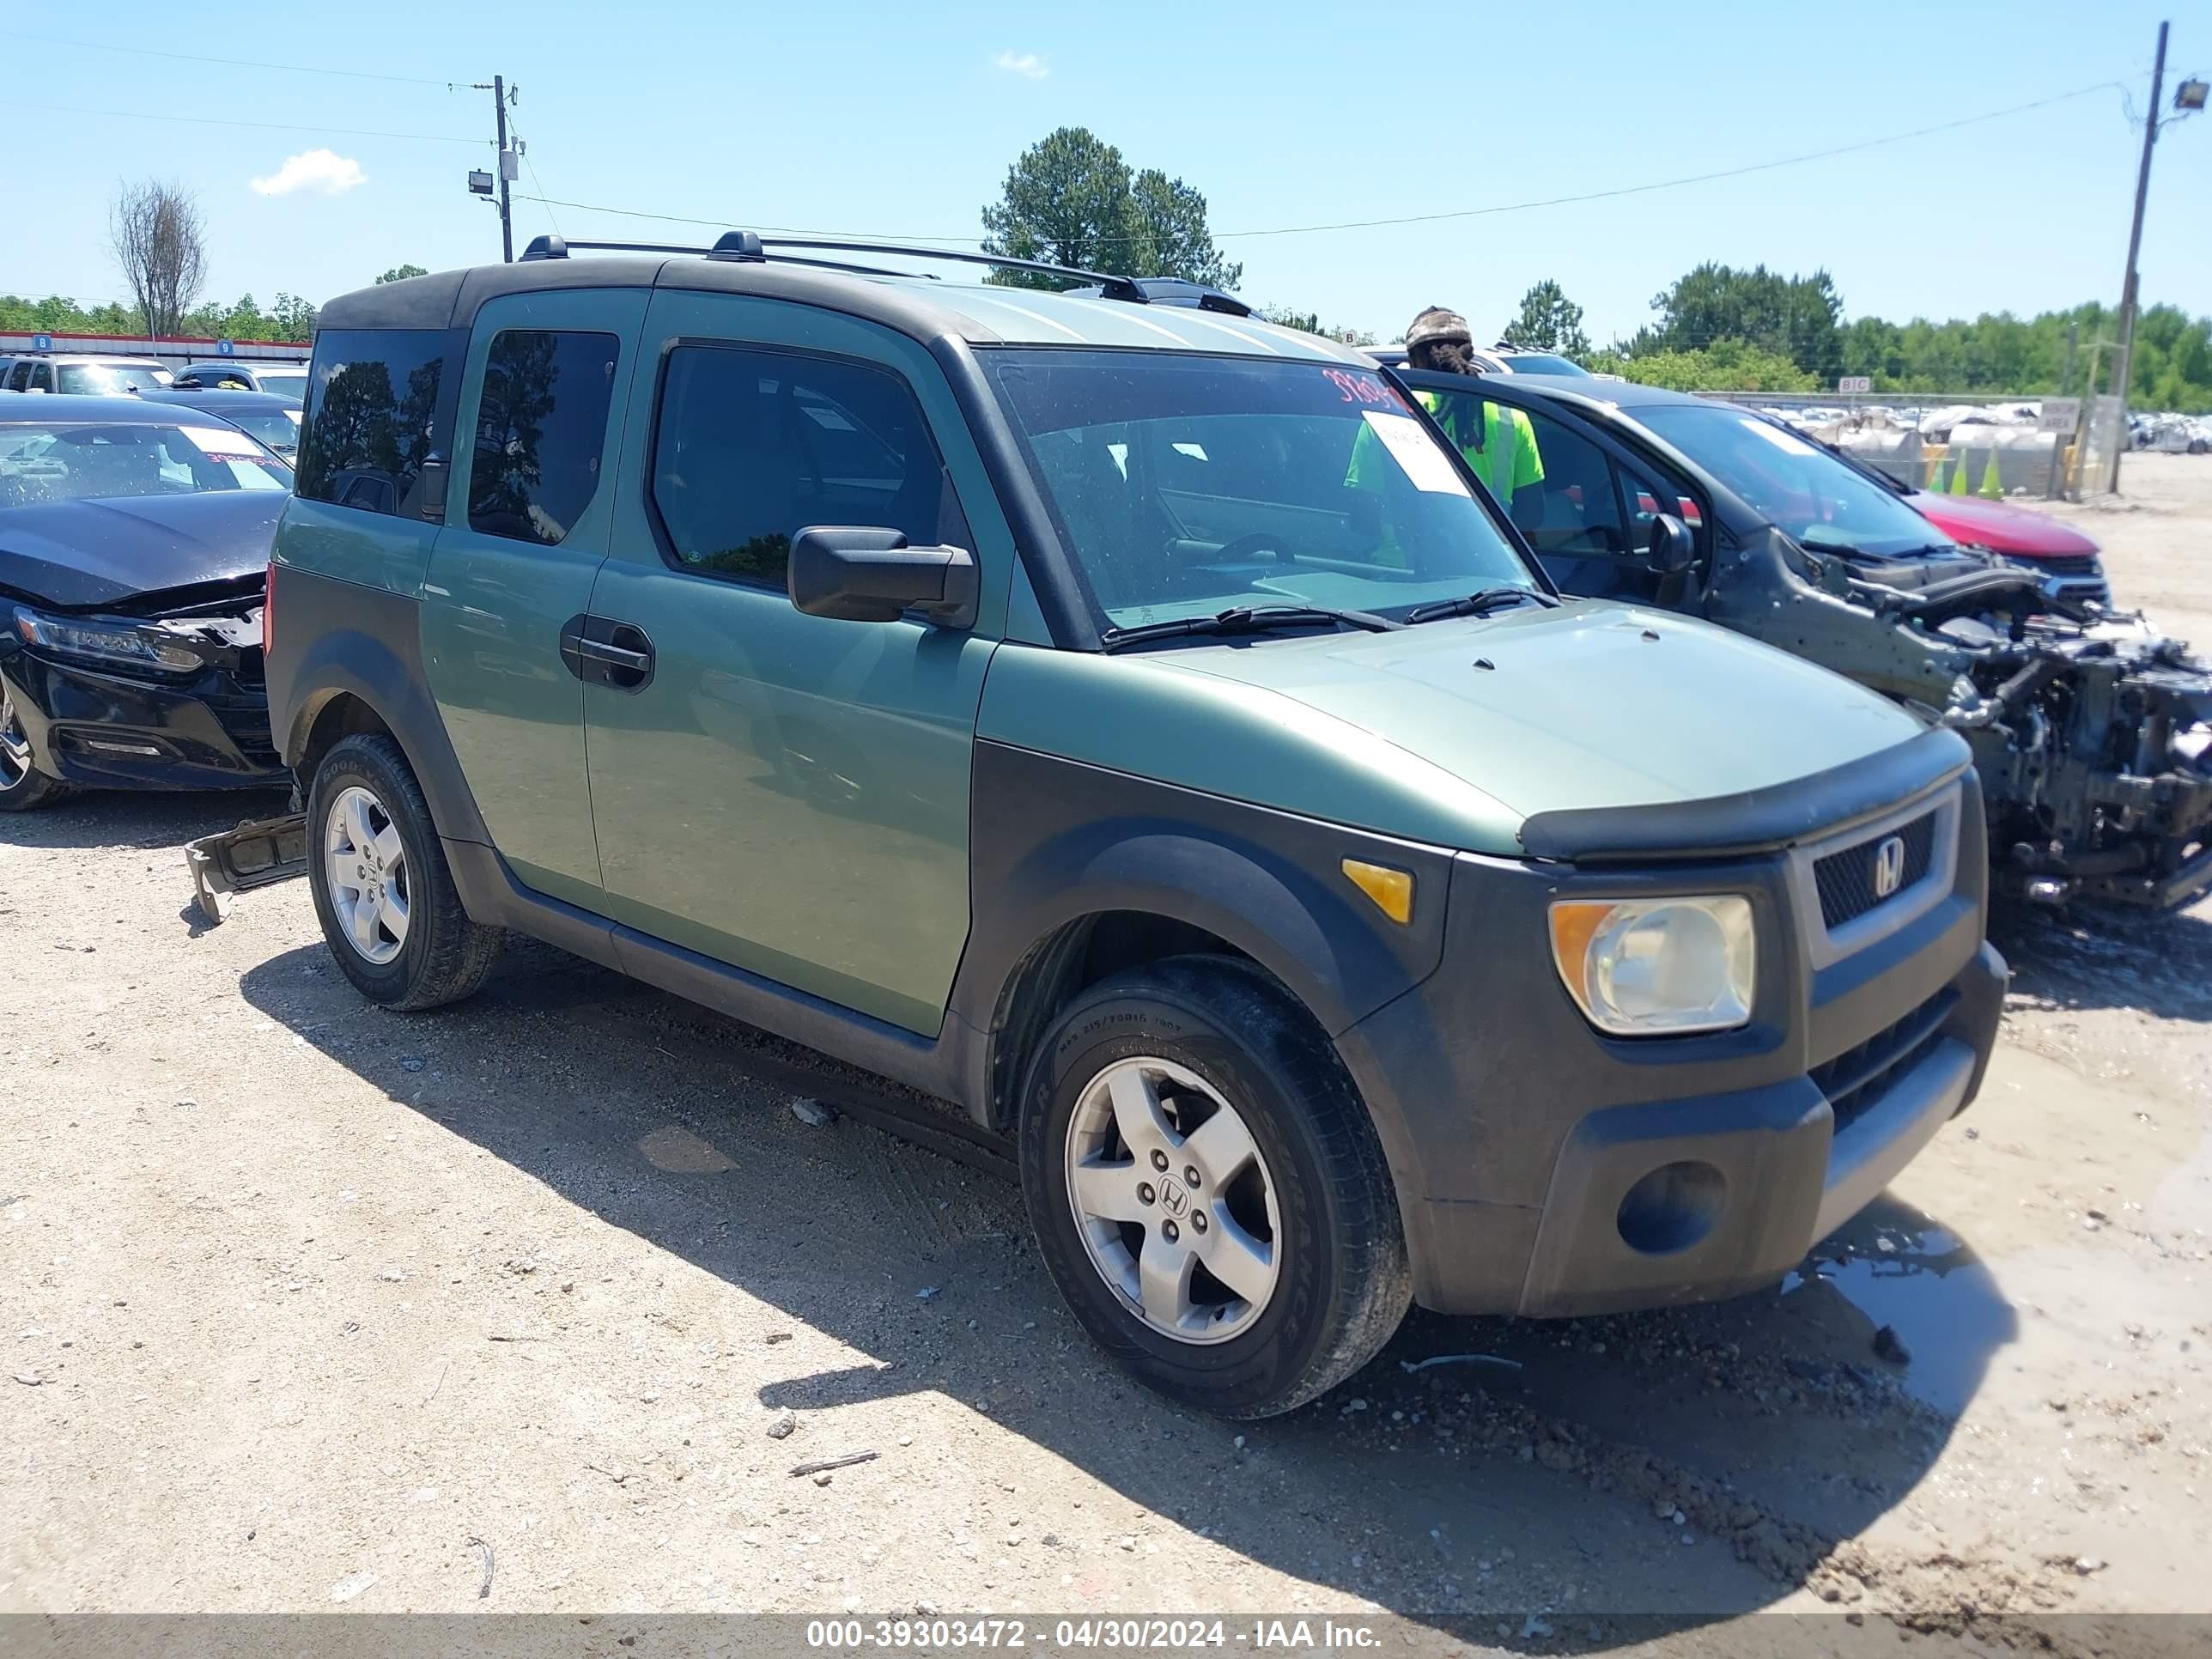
(46, 461)
(1797, 485)
(1544, 363)
(109, 378)
(279, 428)
(1184, 486)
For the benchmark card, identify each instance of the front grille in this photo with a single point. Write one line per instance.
(1856, 1078)
(1846, 878)
(2070, 564)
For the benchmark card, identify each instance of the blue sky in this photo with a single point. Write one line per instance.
(902, 118)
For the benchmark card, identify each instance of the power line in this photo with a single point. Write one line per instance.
(228, 63)
(1693, 178)
(262, 126)
(1415, 218)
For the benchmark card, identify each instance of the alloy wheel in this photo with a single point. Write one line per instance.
(14, 746)
(1174, 1203)
(367, 866)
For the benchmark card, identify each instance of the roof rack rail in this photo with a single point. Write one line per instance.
(1112, 286)
(732, 245)
(744, 245)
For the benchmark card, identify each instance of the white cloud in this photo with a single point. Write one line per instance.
(322, 170)
(1027, 65)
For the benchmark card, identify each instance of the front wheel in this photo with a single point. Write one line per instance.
(22, 786)
(1207, 1191)
(382, 890)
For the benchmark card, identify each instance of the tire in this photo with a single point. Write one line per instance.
(23, 788)
(433, 953)
(1182, 1040)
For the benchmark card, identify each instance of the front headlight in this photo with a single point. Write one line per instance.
(81, 636)
(1657, 967)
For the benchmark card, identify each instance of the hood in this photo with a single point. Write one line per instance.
(2001, 527)
(85, 554)
(1589, 705)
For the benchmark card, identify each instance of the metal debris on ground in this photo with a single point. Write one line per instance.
(811, 1113)
(1409, 1367)
(483, 1589)
(822, 1465)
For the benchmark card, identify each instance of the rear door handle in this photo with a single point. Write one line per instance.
(600, 651)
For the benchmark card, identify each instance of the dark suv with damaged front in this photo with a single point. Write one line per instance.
(134, 542)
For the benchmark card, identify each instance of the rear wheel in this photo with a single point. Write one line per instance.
(22, 786)
(383, 892)
(1207, 1191)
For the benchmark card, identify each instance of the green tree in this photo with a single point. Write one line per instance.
(1071, 199)
(1725, 366)
(1549, 321)
(1310, 322)
(1792, 316)
(400, 274)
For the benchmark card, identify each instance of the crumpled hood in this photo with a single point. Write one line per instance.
(83, 554)
(1593, 704)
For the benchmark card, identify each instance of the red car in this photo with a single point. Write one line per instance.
(2071, 561)
(2072, 564)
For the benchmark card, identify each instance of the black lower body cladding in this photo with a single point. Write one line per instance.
(1563, 1171)
(111, 729)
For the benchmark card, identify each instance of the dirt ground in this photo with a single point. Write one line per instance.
(310, 1306)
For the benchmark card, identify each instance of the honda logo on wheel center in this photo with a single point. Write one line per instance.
(1173, 1199)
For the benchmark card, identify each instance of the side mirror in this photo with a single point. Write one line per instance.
(857, 574)
(1673, 547)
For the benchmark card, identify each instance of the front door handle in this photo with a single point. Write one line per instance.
(600, 651)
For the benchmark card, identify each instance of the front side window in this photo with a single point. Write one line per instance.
(540, 426)
(1185, 485)
(754, 445)
(372, 397)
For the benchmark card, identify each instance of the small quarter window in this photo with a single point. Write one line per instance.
(540, 428)
(372, 399)
(752, 446)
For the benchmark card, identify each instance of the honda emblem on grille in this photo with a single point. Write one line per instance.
(1889, 866)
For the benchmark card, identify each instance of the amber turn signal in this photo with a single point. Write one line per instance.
(1391, 890)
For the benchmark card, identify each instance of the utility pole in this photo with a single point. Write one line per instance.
(498, 91)
(2123, 359)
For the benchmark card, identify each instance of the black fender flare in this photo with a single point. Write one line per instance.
(1055, 842)
(364, 642)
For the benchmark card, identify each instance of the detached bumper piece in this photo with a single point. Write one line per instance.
(257, 853)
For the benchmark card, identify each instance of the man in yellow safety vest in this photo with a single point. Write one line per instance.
(1498, 441)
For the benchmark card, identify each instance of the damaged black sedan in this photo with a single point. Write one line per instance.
(134, 547)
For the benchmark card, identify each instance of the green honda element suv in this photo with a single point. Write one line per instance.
(1132, 723)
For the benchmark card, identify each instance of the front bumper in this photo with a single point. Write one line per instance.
(107, 729)
(1544, 1168)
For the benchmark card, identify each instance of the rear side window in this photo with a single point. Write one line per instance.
(371, 400)
(751, 446)
(540, 427)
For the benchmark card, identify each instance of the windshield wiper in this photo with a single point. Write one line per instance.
(1481, 603)
(1243, 619)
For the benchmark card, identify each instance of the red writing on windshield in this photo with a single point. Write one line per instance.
(1364, 388)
